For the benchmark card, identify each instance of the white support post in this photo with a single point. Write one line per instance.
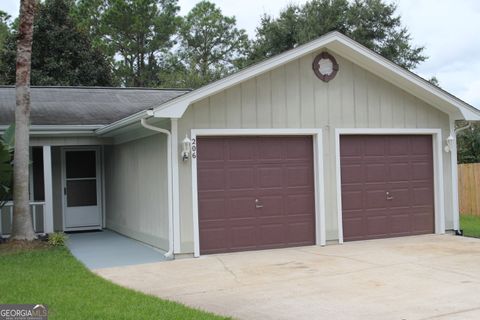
(175, 187)
(47, 177)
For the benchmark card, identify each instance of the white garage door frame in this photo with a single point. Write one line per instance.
(320, 229)
(439, 202)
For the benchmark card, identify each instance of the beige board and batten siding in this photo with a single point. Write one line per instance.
(291, 96)
(136, 189)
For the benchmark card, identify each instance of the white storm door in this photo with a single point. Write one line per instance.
(81, 189)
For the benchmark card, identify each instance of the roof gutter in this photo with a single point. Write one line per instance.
(468, 125)
(134, 118)
(143, 122)
(41, 130)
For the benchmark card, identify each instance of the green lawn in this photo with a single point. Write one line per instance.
(54, 277)
(470, 225)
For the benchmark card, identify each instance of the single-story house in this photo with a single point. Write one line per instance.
(327, 142)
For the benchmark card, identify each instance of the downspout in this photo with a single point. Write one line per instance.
(469, 124)
(143, 121)
(456, 218)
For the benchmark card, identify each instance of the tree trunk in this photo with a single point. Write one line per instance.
(22, 221)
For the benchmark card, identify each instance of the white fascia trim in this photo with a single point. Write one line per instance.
(334, 41)
(469, 112)
(176, 107)
(439, 195)
(134, 118)
(49, 130)
(320, 228)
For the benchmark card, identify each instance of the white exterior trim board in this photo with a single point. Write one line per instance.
(175, 188)
(48, 189)
(320, 228)
(439, 198)
(342, 45)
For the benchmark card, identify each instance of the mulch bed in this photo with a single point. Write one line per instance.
(19, 245)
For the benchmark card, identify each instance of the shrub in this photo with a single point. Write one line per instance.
(57, 239)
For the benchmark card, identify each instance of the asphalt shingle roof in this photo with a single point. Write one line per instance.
(83, 105)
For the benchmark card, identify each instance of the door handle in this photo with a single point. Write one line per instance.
(388, 196)
(258, 204)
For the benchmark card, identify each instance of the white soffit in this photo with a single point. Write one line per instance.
(350, 50)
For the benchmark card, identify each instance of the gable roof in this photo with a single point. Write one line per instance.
(86, 106)
(349, 49)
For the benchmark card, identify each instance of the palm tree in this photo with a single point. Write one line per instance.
(22, 221)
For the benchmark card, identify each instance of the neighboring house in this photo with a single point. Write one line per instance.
(276, 155)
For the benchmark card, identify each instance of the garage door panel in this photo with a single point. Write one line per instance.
(299, 148)
(400, 197)
(422, 196)
(400, 172)
(213, 152)
(212, 208)
(299, 176)
(243, 237)
(375, 199)
(301, 233)
(422, 145)
(278, 171)
(271, 234)
(351, 147)
(401, 223)
(398, 145)
(374, 172)
(403, 167)
(354, 173)
(214, 239)
(422, 222)
(374, 147)
(421, 171)
(270, 177)
(270, 149)
(241, 151)
(272, 206)
(300, 203)
(354, 227)
(240, 207)
(211, 179)
(241, 178)
(377, 226)
(352, 200)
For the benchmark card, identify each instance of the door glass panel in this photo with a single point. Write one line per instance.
(81, 193)
(80, 164)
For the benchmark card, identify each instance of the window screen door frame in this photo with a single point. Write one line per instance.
(97, 210)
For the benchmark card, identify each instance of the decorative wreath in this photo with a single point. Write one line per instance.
(325, 66)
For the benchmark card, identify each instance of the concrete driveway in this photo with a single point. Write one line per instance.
(422, 277)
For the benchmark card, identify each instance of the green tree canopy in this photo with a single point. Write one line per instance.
(61, 54)
(373, 23)
(468, 145)
(210, 44)
(137, 32)
(4, 27)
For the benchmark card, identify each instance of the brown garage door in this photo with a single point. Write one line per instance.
(387, 186)
(255, 193)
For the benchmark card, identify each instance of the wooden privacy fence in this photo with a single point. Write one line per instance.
(469, 188)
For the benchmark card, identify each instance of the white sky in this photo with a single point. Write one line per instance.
(449, 29)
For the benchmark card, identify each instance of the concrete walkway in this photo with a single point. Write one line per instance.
(107, 249)
(421, 277)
